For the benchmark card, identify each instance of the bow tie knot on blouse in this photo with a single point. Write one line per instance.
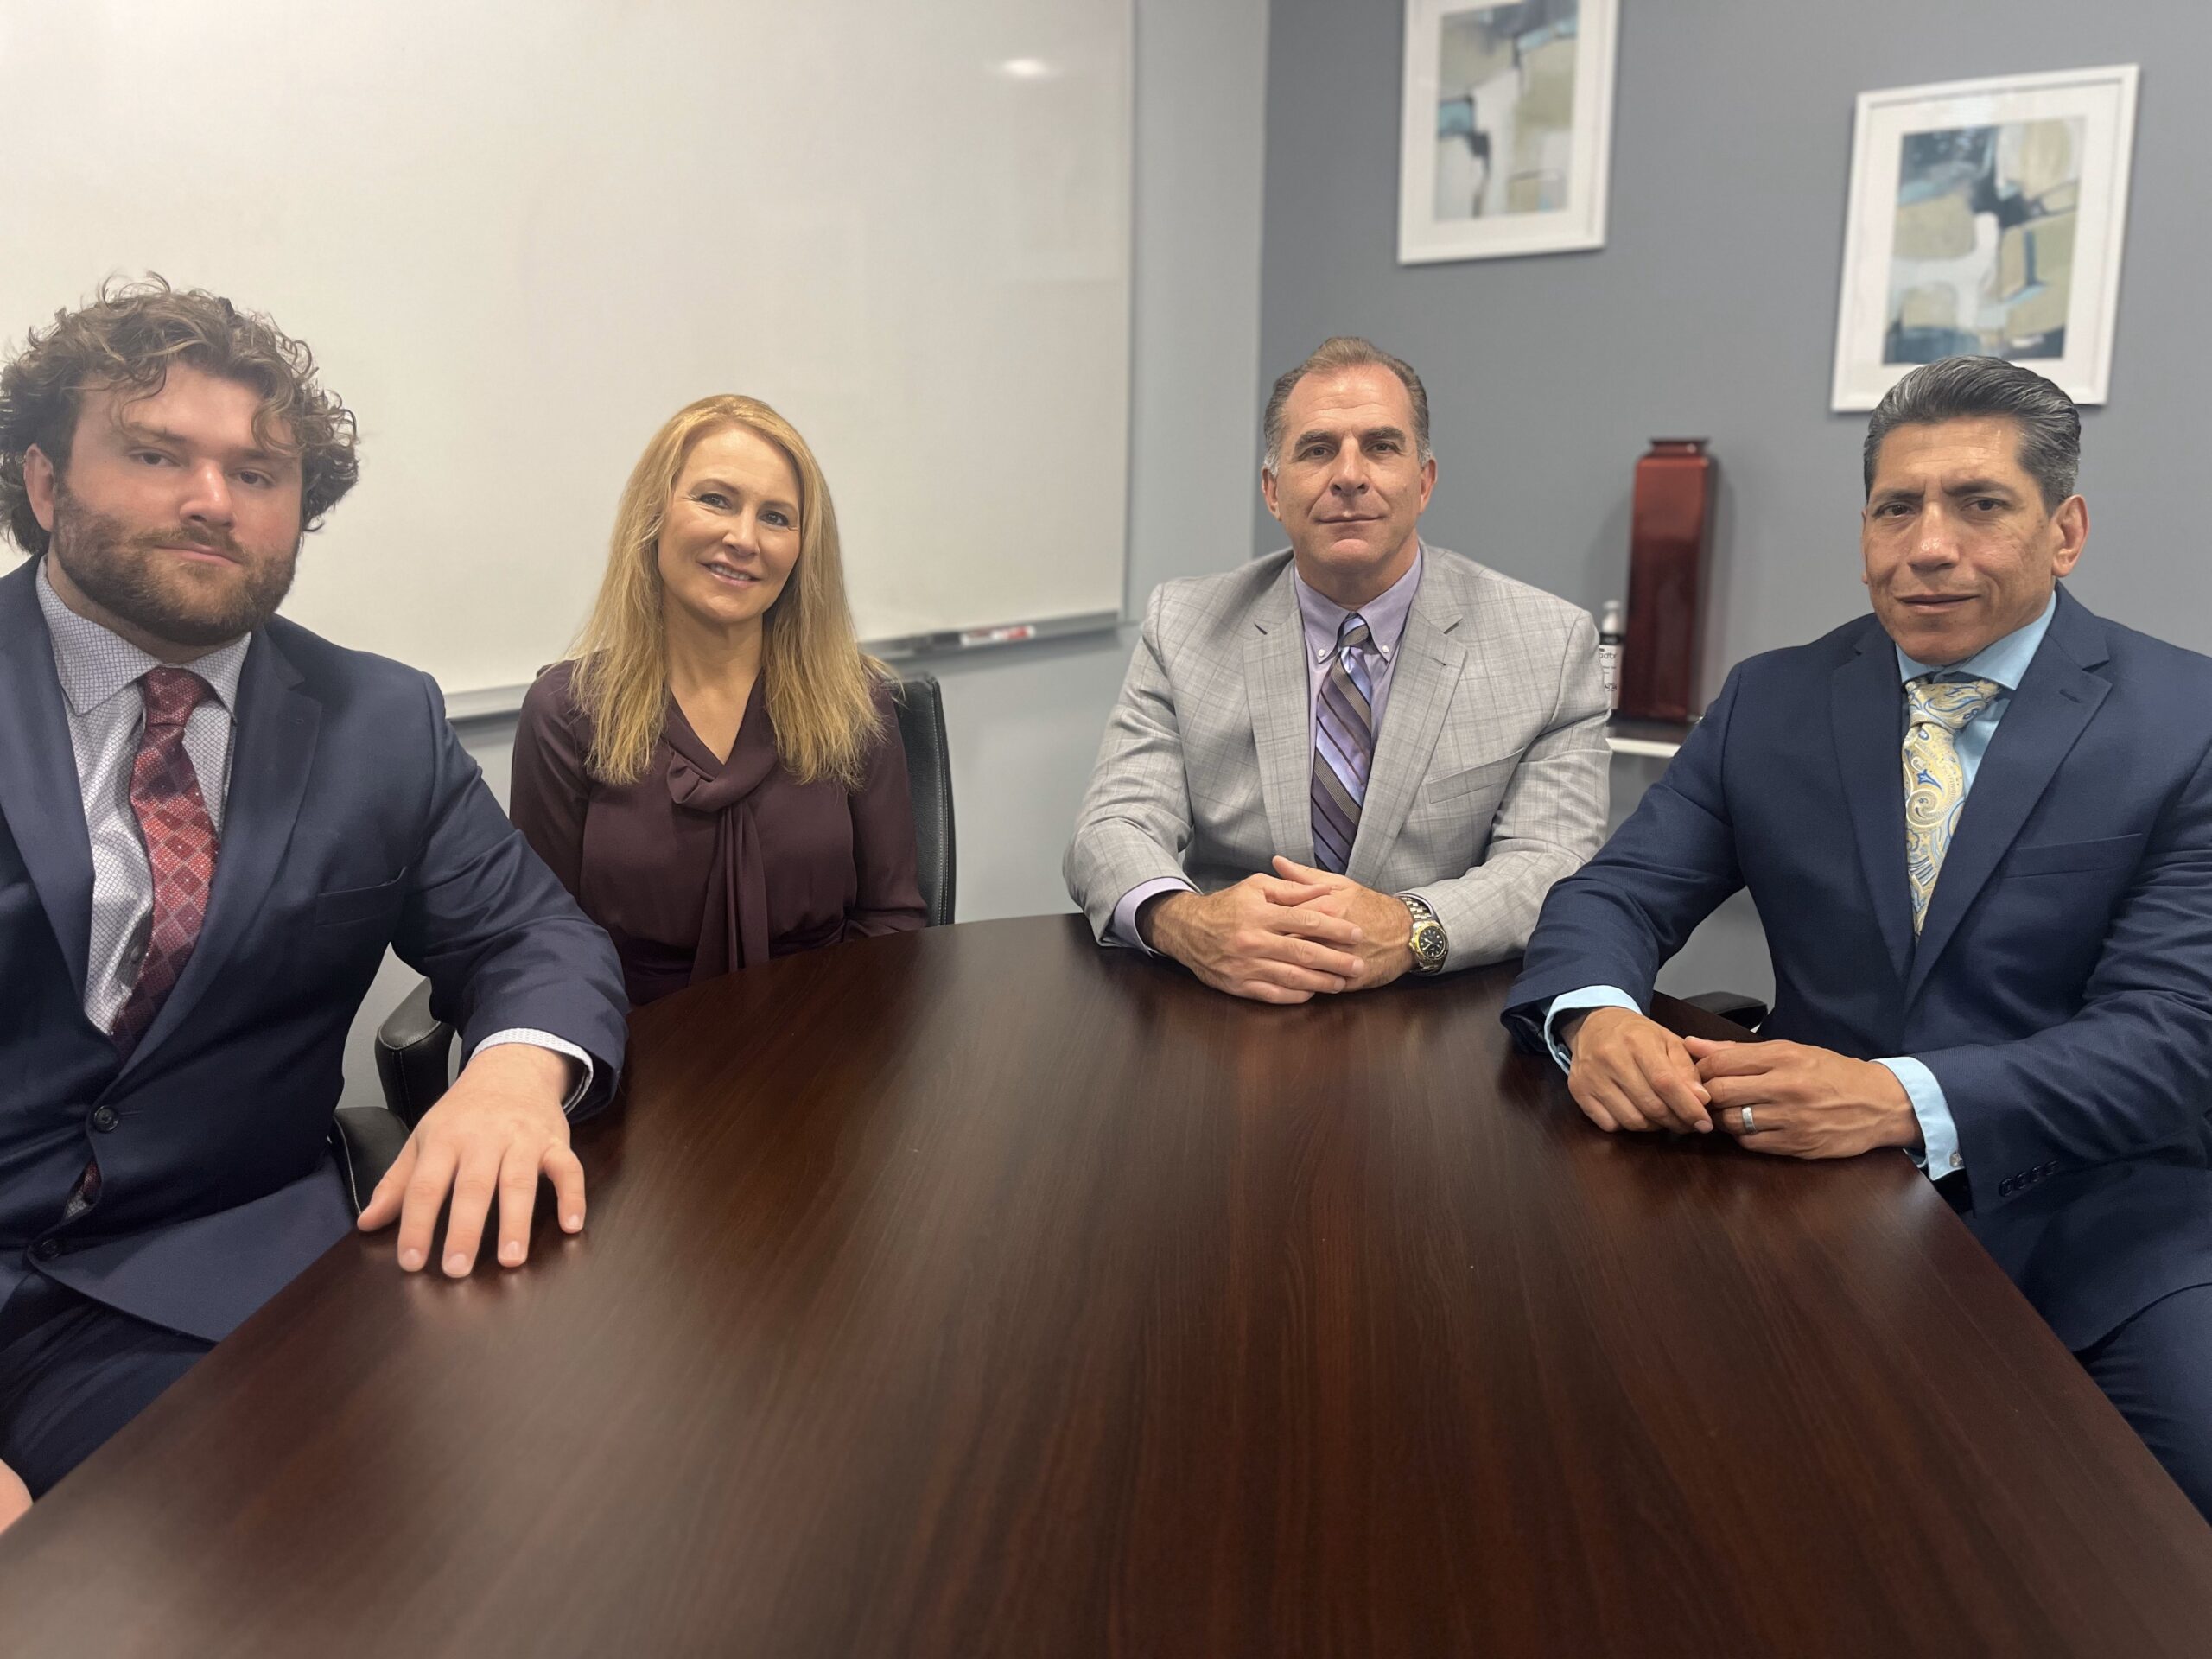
(734, 929)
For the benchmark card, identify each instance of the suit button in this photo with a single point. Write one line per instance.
(105, 1118)
(2005, 1187)
(47, 1249)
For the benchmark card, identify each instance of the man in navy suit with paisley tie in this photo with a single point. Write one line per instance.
(211, 824)
(1978, 828)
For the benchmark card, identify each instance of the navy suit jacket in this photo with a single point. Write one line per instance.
(355, 820)
(2061, 989)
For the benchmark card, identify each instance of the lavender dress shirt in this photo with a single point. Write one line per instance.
(1323, 619)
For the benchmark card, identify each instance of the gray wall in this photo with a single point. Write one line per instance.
(1711, 311)
(1024, 722)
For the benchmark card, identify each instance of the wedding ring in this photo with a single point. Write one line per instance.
(1747, 1120)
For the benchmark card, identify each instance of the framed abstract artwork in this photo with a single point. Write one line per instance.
(1507, 118)
(1986, 219)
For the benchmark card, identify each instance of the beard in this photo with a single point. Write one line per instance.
(126, 575)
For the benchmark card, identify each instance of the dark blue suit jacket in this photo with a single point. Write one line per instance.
(355, 820)
(2061, 990)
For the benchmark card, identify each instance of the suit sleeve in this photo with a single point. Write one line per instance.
(1134, 823)
(2132, 1072)
(1549, 821)
(548, 792)
(888, 898)
(1621, 916)
(502, 944)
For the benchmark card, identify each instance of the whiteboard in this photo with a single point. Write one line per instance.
(520, 233)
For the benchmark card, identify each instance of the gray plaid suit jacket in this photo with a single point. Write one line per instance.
(1490, 774)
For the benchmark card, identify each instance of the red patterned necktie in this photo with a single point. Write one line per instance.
(180, 845)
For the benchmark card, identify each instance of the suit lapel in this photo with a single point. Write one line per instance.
(2057, 699)
(1430, 665)
(1863, 707)
(39, 793)
(1276, 688)
(269, 761)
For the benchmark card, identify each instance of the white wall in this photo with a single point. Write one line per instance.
(1024, 722)
(478, 212)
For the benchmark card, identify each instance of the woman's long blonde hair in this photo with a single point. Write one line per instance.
(818, 683)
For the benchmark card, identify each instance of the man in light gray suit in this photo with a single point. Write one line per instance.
(1357, 757)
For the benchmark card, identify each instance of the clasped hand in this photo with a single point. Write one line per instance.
(1631, 1073)
(494, 1132)
(1286, 937)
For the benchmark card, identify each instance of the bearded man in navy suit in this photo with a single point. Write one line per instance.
(1978, 828)
(211, 824)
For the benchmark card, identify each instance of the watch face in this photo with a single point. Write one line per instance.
(1428, 944)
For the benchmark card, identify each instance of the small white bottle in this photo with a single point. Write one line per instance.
(1612, 630)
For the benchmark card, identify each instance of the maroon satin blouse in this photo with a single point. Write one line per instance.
(703, 866)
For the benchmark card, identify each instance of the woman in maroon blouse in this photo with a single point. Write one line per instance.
(715, 772)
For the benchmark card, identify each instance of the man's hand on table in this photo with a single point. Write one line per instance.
(1804, 1101)
(1256, 939)
(495, 1131)
(1631, 1073)
(1386, 927)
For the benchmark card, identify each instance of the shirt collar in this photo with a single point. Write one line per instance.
(1385, 613)
(95, 663)
(2004, 661)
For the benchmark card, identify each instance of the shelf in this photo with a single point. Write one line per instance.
(1660, 738)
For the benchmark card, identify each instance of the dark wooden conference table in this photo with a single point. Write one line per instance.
(977, 1292)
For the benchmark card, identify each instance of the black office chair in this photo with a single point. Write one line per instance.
(928, 777)
(415, 1048)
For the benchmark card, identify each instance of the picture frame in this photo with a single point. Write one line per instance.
(1986, 217)
(1507, 118)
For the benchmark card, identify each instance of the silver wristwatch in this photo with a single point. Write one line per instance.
(1428, 943)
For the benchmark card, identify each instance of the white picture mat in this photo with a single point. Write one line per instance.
(518, 236)
(2104, 99)
(1423, 238)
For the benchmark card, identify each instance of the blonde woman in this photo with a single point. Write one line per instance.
(715, 772)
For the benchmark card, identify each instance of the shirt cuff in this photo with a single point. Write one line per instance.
(546, 1040)
(1123, 927)
(1941, 1154)
(1590, 996)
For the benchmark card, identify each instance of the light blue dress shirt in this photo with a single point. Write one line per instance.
(2002, 662)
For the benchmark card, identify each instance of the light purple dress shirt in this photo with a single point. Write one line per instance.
(1323, 619)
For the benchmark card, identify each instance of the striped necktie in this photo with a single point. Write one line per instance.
(1344, 746)
(1935, 782)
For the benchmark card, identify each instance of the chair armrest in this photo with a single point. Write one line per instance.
(1720, 1016)
(413, 1056)
(367, 1139)
(1746, 1011)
